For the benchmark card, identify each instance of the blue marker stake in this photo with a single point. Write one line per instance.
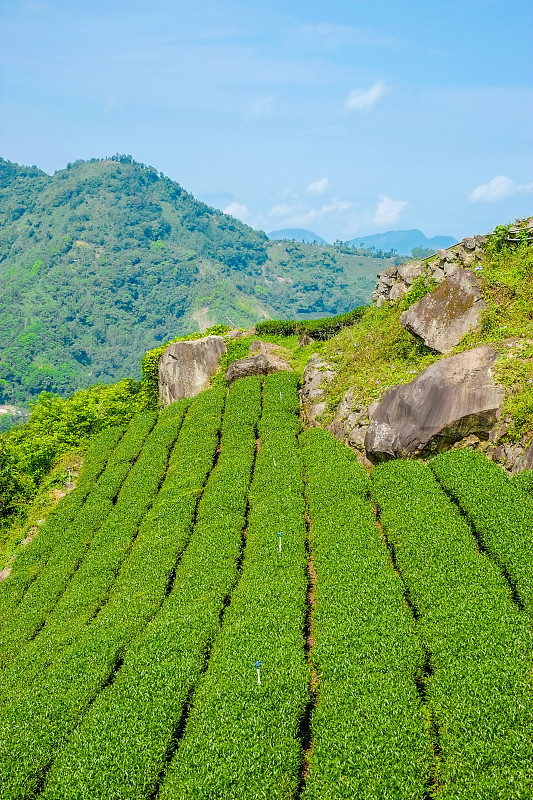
(257, 665)
(280, 535)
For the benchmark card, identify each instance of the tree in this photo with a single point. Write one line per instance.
(422, 252)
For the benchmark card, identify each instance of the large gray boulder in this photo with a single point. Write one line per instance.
(448, 401)
(446, 314)
(261, 364)
(186, 368)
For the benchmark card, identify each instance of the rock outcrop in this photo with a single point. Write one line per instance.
(514, 456)
(446, 314)
(351, 422)
(304, 340)
(395, 282)
(186, 368)
(448, 401)
(524, 461)
(261, 364)
(317, 375)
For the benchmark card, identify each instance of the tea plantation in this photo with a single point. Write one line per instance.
(228, 607)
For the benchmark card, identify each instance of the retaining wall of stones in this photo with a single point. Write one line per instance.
(395, 282)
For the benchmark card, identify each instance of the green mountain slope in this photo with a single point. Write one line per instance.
(108, 258)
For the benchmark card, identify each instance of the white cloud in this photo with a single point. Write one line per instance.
(336, 205)
(288, 192)
(360, 98)
(300, 215)
(284, 210)
(499, 188)
(318, 187)
(260, 108)
(388, 210)
(237, 210)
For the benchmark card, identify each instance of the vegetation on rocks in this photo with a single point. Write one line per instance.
(506, 278)
(376, 352)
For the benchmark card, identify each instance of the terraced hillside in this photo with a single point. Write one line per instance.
(226, 607)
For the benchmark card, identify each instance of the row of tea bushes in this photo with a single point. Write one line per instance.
(323, 328)
(480, 643)
(91, 582)
(369, 737)
(524, 481)
(120, 748)
(97, 456)
(499, 511)
(38, 722)
(241, 738)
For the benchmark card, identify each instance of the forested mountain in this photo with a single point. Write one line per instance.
(108, 258)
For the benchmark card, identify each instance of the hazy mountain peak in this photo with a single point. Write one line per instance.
(296, 234)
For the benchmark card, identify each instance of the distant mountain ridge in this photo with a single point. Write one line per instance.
(297, 235)
(402, 242)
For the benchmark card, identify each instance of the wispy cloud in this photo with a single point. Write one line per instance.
(360, 99)
(335, 36)
(318, 187)
(336, 205)
(285, 210)
(388, 210)
(237, 210)
(298, 215)
(260, 108)
(499, 188)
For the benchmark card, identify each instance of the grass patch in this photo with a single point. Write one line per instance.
(374, 355)
(506, 277)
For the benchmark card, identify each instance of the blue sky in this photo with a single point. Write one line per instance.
(345, 117)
